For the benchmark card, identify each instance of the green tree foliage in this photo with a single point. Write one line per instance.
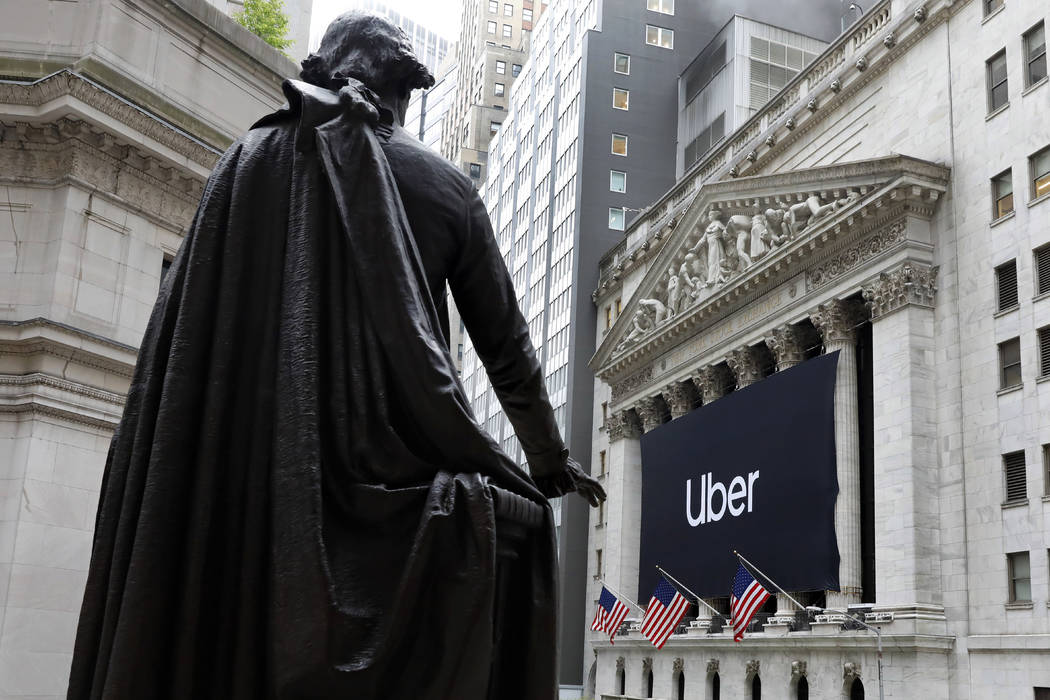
(266, 20)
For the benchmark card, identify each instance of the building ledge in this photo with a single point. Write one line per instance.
(996, 112)
(1008, 642)
(994, 13)
(1005, 217)
(1039, 200)
(1006, 311)
(1009, 390)
(1035, 86)
(1023, 605)
(1014, 504)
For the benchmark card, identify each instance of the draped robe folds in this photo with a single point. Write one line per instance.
(295, 503)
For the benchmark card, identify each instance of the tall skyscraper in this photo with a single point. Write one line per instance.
(427, 108)
(584, 144)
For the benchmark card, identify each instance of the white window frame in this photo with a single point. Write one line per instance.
(624, 180)
(664, 7)
(499, 89)
(623, 218)
(660, 33)
(616, 55)
(490, 27)
(627, 94)
(508, 31)
(501, 67)
(612, 148)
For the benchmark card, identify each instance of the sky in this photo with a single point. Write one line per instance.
(440, 15)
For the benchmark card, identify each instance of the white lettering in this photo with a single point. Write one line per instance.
(751, 479)
(693, 522)
(737, 491)
(732, 499)
(712, 486)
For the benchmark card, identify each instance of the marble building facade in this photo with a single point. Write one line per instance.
(112, 115)
(864, 211)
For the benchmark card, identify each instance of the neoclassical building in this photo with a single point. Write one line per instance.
(891, 204)
(112, 115)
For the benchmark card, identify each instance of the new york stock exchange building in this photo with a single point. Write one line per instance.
(829, 350)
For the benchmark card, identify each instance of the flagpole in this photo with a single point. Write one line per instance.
(745, 560)
(865, 625)
(621, 595)
(682, 586)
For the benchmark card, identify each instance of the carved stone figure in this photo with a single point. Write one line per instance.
(715, 252)
(674, 291)
(761, 241)
(297, 502)
(741, 229)
(778, 230)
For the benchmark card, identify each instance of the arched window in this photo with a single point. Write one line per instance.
(716, 686)
(802, 689)
(756, 688)
(621, 681)
(856, 690)
(649, 683)
(681, 685)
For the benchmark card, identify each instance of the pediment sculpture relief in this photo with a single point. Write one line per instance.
(721, 248)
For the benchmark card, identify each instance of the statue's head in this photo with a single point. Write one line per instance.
(714, 215)
(369, 48)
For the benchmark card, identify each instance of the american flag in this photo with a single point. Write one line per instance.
(665, 610)
(609, 615)
(748, 596)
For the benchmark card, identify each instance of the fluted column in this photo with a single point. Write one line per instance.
(624, 506)
(837, 320)
(785, 342)
(679, 398)
(745, 365)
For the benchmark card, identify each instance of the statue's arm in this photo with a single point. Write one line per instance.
(484, 294)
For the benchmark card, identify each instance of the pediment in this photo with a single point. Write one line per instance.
(740, 236)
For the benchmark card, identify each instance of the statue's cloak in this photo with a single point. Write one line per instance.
(295, 504)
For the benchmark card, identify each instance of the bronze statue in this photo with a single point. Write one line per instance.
(298, 502)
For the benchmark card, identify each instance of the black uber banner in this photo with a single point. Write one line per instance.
(754, 472)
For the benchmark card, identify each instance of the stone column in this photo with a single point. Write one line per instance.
(711, 381)
(785, 343)
(624, 505)
(907, 530)
(648, 409)
(744, 364)
(679, 398)
(837, 320)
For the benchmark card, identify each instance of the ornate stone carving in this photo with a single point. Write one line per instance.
(623, 424)
(648, 409)
(752, 668)
(911, 283)
(890, 40)
(752, 155)
(712, 381)
(712, 666)
(678, 665)
(647, 664)
(679, 398)
(790, 123)
(619, 663)
(856, 256)
(920, 14)
(639, 379)
(836, 85)
(744, 364)
(850, 671)
(813, 105)
(733, 172)
(771, 140)
(798, 670)
(837, 320)
(785, 343)
(862, 64)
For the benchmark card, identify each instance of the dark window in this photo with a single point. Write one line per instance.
(1044, 351)
(716, 687)
(1046, 469)
(707, 139)
(649, 684)
(1042, 270)
(1019, 570)
(681, 685)
(802, 690)
(1010, 363)
(997, 85)
(475, 170)
(1035, 55)
(515, 69)
(1002, 194)
(1006, 286)
(756, 688)
(1042, 693)
(622, 63)
(1039, 172)
(992, 5)
(856, 690)
(621, 678)
(1014, 475)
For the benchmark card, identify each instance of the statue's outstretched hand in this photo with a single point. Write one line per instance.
(571, 478)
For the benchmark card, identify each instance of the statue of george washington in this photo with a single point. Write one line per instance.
(298, 502)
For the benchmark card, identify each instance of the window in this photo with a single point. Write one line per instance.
(508, 10)
(491, 27)
(1039, 171)
(601, 455)
(621, 680)
(620, 98)
(756, 688)
(658, 36)
(526, 15)
(681, 680)
(494, 127)
(649, 683)
(1044, 351)
(619, 306)
(475, 170)
(616, 218)
(515, 69)
(1010, 363)
(1006, 286)
(608, 317)
(1020, 573)
(1042, 270)
(991, 6)
(1034, 55)
(1002, 194)
(501, 67)
(506, 31)
(772, 65)
(493, 6)
(716, 686)
(498, 89)
(1014, 475)
(705, 140)
(997, 95)
(601, 514)
(619, 144)
(459, 352)
(621, 63)
(617, 181)
(802, 689)
(664, 6)
(1046, 470)
(597, 563)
